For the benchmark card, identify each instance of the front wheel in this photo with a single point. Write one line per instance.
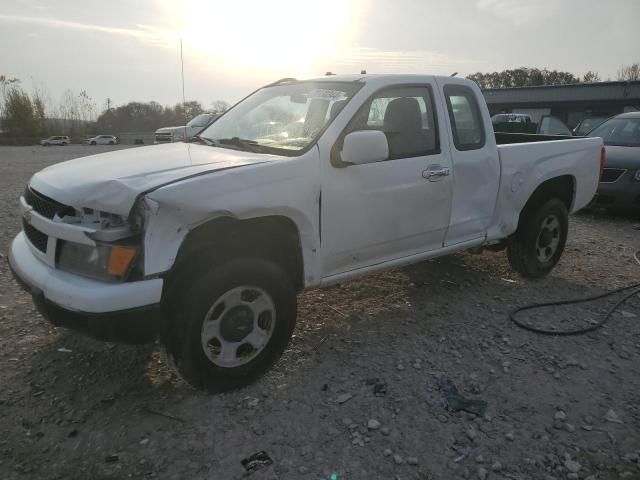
(537, 245)
(230, 324)
(64, 144)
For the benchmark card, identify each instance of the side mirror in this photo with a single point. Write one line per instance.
(365, 146)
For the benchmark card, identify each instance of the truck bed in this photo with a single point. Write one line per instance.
(528, 160)
(503, 138)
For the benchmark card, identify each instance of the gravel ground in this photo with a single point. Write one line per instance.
(75, 408)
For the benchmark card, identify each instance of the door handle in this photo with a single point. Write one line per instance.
(435, 172)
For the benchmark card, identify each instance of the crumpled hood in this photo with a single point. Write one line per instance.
(622, 157)
(112, 181)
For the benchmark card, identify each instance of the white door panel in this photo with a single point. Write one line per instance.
(381, 211)
(476, 167)
(378, 212)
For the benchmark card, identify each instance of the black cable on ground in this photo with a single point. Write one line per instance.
(635, 289)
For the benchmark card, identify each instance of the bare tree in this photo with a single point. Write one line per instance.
(629, 72)
(591, 77)
(219, 106)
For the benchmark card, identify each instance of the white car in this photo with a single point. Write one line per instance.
(207, 244)
(102, 140)
(179, 134)
(55, 140)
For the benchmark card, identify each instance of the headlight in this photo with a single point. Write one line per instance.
(636, 177)
(102, 262)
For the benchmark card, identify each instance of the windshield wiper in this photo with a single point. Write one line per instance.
(239, 142)
(198, 138)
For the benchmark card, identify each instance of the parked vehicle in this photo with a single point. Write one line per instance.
(55, 140)
(588, 124)
(513, 123)
(620, 183)
(180, 134)
(550, 125)
(102, 140)
(206, 244)
(511, 118)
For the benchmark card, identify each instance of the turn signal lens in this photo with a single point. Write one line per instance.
(119, 260)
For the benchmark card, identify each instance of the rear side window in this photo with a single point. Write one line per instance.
(466, 122)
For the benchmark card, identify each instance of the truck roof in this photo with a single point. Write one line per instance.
(374, 76)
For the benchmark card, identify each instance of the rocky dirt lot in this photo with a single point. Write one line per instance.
(362, 391)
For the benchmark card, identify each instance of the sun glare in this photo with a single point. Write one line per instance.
(277, 35)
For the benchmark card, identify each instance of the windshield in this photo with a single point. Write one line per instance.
(201, 120)
(589, 124)
(619, 131)
(281, 119)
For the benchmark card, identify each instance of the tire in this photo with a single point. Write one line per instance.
(225, 300)
(47, 144)
(111, 143)
(537, 245)
(93, 143)
(64, 144)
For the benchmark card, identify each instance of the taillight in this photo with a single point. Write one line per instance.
(603, 156)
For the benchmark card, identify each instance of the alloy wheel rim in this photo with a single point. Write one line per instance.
(238, 326)
(548, 238)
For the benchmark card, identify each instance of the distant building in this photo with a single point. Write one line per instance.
(570, 103)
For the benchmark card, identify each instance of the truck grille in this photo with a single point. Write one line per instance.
(35, 236)
(610, 175)
(164, 137)
(43, 205)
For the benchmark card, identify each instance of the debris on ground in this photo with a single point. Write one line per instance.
(454, 402)
(380, 389)
(256, 461)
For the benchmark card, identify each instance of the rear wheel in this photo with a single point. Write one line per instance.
(230, 324)
(538, 244)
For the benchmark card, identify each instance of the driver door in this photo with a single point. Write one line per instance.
(377, 212)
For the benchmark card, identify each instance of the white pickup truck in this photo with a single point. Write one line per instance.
(302, 184)
(185, 132)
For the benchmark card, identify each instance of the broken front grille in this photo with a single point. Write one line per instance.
(35, 236)
(610, 175)
(45, 206)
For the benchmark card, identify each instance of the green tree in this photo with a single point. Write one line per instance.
(522, 77)
(39, 115)
(19, 120)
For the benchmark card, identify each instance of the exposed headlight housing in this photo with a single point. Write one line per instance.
(105, 262)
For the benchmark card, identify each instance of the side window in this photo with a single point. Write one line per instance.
(407, 118)
(466, 122)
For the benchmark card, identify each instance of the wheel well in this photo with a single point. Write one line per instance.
(274, 238)
(562, 188)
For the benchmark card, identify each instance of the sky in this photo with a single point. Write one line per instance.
(130, 50)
